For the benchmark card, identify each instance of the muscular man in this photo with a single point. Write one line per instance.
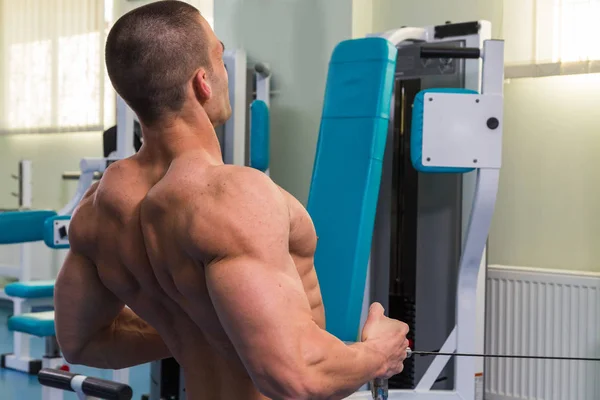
(175, 254)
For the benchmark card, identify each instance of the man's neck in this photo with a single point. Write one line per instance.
(172, 138)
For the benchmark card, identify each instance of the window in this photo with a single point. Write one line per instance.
(578, 31)
(52, 72)
(29, 84)
(52, 75)
(551, 37)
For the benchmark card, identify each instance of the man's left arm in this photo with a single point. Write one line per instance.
(93, 327)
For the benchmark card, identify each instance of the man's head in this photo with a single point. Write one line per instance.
(163, 56)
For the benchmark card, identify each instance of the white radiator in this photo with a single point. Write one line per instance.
(542, 313)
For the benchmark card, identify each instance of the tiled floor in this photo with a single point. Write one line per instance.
(20, 386)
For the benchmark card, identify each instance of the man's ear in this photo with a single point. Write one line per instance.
(201, 86)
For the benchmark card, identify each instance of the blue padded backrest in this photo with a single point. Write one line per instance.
(416, 132)
(259, 135)
(49, 232)
(347, 174)
(23, 226)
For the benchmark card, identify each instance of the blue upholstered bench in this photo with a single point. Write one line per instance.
(40, 324)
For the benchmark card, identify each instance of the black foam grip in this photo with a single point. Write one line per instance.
(91, 386)
(56, 378)
(450, 52)
(106, 389)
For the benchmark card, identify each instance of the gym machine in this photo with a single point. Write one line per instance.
(436, 201)
(404, 210)
(244, 138)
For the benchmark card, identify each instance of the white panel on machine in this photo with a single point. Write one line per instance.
(61, 232)
(452, 120)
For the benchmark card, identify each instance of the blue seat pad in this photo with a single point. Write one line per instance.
(38, 324)
(30, 289)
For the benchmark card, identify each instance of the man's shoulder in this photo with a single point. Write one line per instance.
(222, 183)
(232, 208)
(228, 174)
(84, 220)
(109, 200)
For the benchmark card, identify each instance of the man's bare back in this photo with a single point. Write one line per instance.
(142, 215)
(174, 254)
(187, 259)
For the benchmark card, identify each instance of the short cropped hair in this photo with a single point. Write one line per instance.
(151, 52)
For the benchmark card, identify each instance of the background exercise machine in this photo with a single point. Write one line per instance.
(437, 198)
(430, 100)
(422, 218)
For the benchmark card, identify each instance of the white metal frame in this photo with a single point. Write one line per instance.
(479, 196)
(263, 89)
(22, 271)
(125, 130)
(234, 147)
(87, 167)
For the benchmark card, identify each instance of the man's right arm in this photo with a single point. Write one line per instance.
(261, 303)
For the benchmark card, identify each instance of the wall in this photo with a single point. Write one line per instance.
(390, 14)
(362, 18)
(548, 212)
(296, 37)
